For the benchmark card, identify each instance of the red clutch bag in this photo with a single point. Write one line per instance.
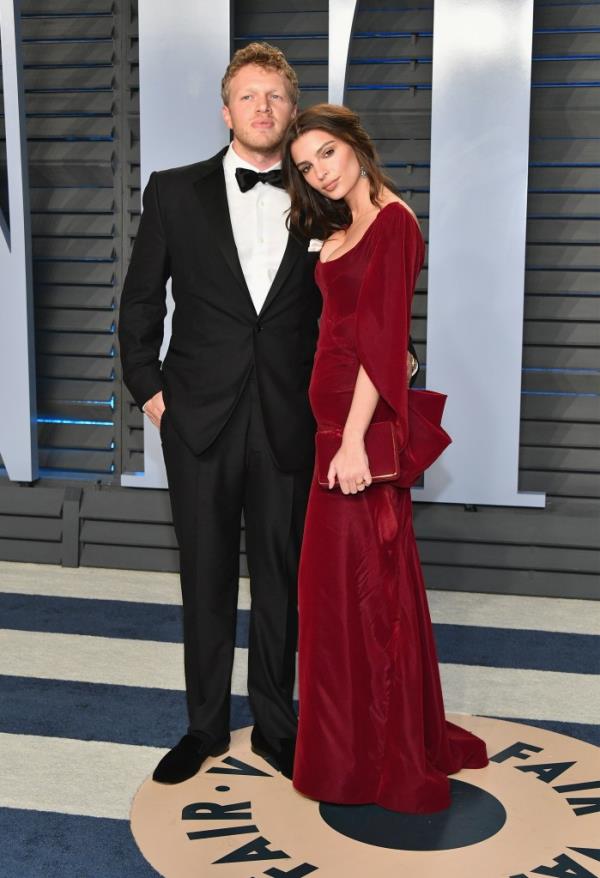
(381, 446)
(388, 461)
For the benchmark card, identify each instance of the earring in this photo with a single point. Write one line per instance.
(363, 172)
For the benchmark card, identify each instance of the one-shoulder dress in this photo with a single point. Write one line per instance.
(371, 720)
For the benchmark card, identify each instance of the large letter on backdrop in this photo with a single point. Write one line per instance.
(18, 432)
(185, 47)
(478, 212)
(341, 23)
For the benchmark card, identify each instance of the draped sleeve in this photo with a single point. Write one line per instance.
(384, 303)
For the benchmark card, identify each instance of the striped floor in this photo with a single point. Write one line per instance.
(91, 693)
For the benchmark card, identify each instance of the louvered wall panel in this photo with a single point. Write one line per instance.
(563, 304)
(71, 56)
(132, 433)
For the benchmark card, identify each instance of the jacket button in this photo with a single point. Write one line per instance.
(258, 326)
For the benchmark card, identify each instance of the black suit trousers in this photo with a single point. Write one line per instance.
(208, 494)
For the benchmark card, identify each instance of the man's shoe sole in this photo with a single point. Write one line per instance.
(217, 751)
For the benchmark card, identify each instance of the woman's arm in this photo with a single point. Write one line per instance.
(350, 464)
(382, 334)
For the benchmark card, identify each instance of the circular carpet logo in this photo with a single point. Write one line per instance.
(535, 810)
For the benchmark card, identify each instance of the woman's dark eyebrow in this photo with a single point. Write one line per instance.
(323, 146)
(320, 149)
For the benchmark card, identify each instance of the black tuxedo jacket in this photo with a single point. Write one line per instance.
(217, 338)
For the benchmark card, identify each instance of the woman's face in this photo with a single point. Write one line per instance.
(327, 163)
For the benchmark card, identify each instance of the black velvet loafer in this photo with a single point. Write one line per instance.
(186, 758)
(279, 755)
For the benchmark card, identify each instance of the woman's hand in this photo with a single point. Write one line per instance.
(351, 466)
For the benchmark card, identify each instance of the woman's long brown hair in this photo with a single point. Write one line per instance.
(312, 214)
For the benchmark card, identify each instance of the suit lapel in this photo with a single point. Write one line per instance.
(211, 191)
(293, 251)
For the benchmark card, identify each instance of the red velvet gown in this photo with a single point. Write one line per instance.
(371, 726)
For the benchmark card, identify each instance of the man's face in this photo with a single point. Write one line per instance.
(259, 109)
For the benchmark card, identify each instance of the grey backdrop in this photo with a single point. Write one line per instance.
(83, 129)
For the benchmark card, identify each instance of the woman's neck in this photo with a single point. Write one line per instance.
(359, 201)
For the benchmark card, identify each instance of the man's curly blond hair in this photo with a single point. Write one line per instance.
(266, 56)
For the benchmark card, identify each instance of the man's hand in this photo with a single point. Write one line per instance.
(154, 408)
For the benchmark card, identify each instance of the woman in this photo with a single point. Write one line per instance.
(371, 726)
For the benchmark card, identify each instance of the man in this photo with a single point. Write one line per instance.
(230, 402)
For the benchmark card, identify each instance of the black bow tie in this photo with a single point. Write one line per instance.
(247, 178)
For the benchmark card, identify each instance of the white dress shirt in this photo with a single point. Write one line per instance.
(258, 221)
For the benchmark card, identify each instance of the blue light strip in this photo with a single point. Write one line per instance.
(564, 165)
(406, 165)
(566, 30)
(590, 84)
(69, 90)
(60, 40)
(362, 61)
(384, 86)
(77, 448)
(558, 393)
(110, 331)
(80, 66)
(72, 139)
(564, 192)
(77, 422)
(81, 114)
(392, 34)
(79, 259)
(578, 294)
(561, 370)
(566, 57)
(568, 137)
(558, 216)
(108, 403)
(79, 14)
(80, 212)
(252, 37)
(57, 473)
(45, 377)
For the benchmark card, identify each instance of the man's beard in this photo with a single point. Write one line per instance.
(260, 144)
